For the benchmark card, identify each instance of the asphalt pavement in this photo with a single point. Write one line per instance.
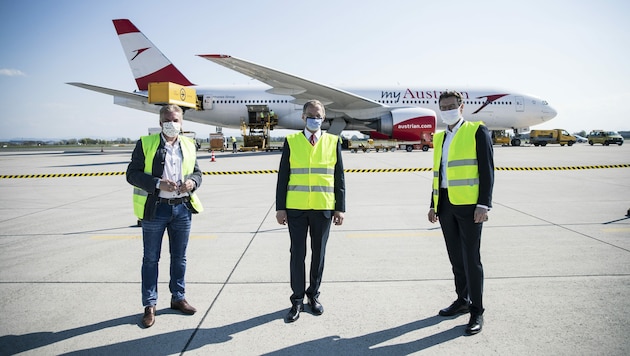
(556, 255)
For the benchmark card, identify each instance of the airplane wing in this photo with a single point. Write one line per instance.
(302, 89)
(116, 93)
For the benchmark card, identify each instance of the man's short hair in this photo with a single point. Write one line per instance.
(166, 109)
(450, 94)
(314, 103)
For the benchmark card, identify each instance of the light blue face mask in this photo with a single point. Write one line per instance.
(314, 123)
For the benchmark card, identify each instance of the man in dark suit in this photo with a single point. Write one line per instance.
(463, 177)
(310, 195)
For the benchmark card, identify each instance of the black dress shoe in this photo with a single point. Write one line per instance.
(475, 324)
(294, 313)
(454, 309)
(316, 307)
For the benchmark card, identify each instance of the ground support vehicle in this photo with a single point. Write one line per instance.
(256, 129)
(217, 142)
(500, 137)
(604, 137)
(426, 142)
(544, 137)
(355, 146)
(409, 146)
(384, 145)
(370, 144)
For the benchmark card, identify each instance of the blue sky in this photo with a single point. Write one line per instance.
(574, 54)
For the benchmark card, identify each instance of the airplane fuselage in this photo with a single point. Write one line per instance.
(499, 110)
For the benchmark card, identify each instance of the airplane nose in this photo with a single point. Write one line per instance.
(549, 112)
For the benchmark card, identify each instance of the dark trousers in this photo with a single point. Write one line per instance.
(300, 223)
(463, 241)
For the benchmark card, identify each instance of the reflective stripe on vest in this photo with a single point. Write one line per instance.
(149, 147)
(462, 170)
(312, 175)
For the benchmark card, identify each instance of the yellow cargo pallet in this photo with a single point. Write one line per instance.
(171, 93)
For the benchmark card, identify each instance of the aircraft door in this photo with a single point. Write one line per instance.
(520, 106)
(206, 103)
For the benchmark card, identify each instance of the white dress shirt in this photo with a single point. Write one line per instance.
(308, 135)
(173, 168)
(448, 138)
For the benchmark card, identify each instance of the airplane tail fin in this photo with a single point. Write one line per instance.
(147, 63)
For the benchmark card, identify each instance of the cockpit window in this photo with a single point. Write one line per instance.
(544, 102)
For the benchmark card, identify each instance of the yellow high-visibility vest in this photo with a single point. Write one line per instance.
(462, 167)
(312, 176)
(149, 147)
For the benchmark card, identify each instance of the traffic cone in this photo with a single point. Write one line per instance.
(212, 157)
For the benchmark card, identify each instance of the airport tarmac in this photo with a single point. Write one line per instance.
(556, 254)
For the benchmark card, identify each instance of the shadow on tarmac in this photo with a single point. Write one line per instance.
(360, 345)
(14, 344)
(186, 340)
(161, 344)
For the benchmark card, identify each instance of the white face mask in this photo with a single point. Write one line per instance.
(450, 117)
(171, 129)
(313, 123)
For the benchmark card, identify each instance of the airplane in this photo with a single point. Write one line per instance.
(401, 113)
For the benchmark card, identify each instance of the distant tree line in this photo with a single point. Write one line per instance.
(68, 142)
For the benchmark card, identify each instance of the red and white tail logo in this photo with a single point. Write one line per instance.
(147, 63)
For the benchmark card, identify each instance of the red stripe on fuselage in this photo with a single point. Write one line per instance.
(489, 99)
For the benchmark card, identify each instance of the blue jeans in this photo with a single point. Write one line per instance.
(176, 220)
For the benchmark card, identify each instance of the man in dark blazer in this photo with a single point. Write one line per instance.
(310, 195)
(463, 178)
(165, 174)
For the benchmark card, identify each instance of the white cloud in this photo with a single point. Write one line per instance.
(11, 72)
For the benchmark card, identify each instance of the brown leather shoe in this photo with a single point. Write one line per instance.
(183, 306)
(148, 318)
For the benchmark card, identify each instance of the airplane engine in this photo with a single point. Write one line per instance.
(405, 124)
